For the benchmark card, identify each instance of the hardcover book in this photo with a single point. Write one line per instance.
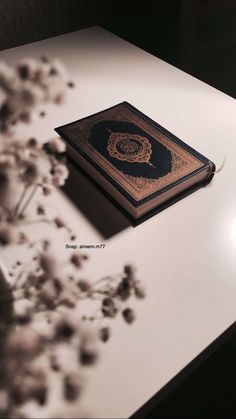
(141, 165)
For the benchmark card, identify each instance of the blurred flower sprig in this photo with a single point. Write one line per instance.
(25, 168)
(27, 85)
(48, 334)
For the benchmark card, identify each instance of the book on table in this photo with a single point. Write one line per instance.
(141, 165)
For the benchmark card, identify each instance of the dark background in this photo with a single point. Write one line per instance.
(198, 36)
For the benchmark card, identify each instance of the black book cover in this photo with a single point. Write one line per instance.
(141, 159)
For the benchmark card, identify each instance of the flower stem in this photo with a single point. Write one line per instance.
(15, 211)
(39, 221)
(28, 200)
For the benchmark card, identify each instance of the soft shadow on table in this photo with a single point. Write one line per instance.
(98, 208)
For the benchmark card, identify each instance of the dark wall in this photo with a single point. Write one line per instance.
(198, 36)
(152, 25)
(24, 21)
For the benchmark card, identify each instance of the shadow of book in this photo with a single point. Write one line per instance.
(94, 203)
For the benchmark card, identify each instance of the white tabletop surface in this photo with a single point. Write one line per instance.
(186, 254)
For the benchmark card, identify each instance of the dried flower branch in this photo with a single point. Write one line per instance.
(46, 325)
(28, 84)
(47, 336)
(25, 166)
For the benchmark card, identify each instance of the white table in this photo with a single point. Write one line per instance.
(186, 254)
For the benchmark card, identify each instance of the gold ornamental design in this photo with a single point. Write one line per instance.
(129, 147)
(183, 163)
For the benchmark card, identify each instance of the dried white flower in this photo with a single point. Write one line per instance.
(23, 342)
(59, 222)
(30, 172)
(22, 88)
(58, 69)
(47, 190)
(7, 162)
(48, 294)
(71, 386)
(8, 77)
(8, 234)
(22, 307)
(88, 353)
(139, 290)
(49, 263)
(129, 315)
(30, 94)
(3, 96)
(60, 174)
(56, 145)
(27, 68)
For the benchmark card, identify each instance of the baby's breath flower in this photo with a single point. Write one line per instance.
(68, 300)
(31, 94)
(8, 234)
(31, 83)
(56, 145)
(129, 315)
(59, 97)
(7, 161)
(27, 68)
(60, 174)
(54, 363)
(58, 68)
(129, 269)
(40, 209)
(84, 285)
(109, 308)
(71, 84)
(22, 311)
(139, 290)
(3, 96)
(8, 78)
(32, 142)
(30, 173)
(60, 223)
(45, 245)
(48, 294)
(124, 288)
(104, 334)
(26, 116)
(48, 263)
(47, 190)
(88, 354)
(23, 238)
(76, 260)
(64, 330)
(71, 385)
(31, 387)
(23, 343)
